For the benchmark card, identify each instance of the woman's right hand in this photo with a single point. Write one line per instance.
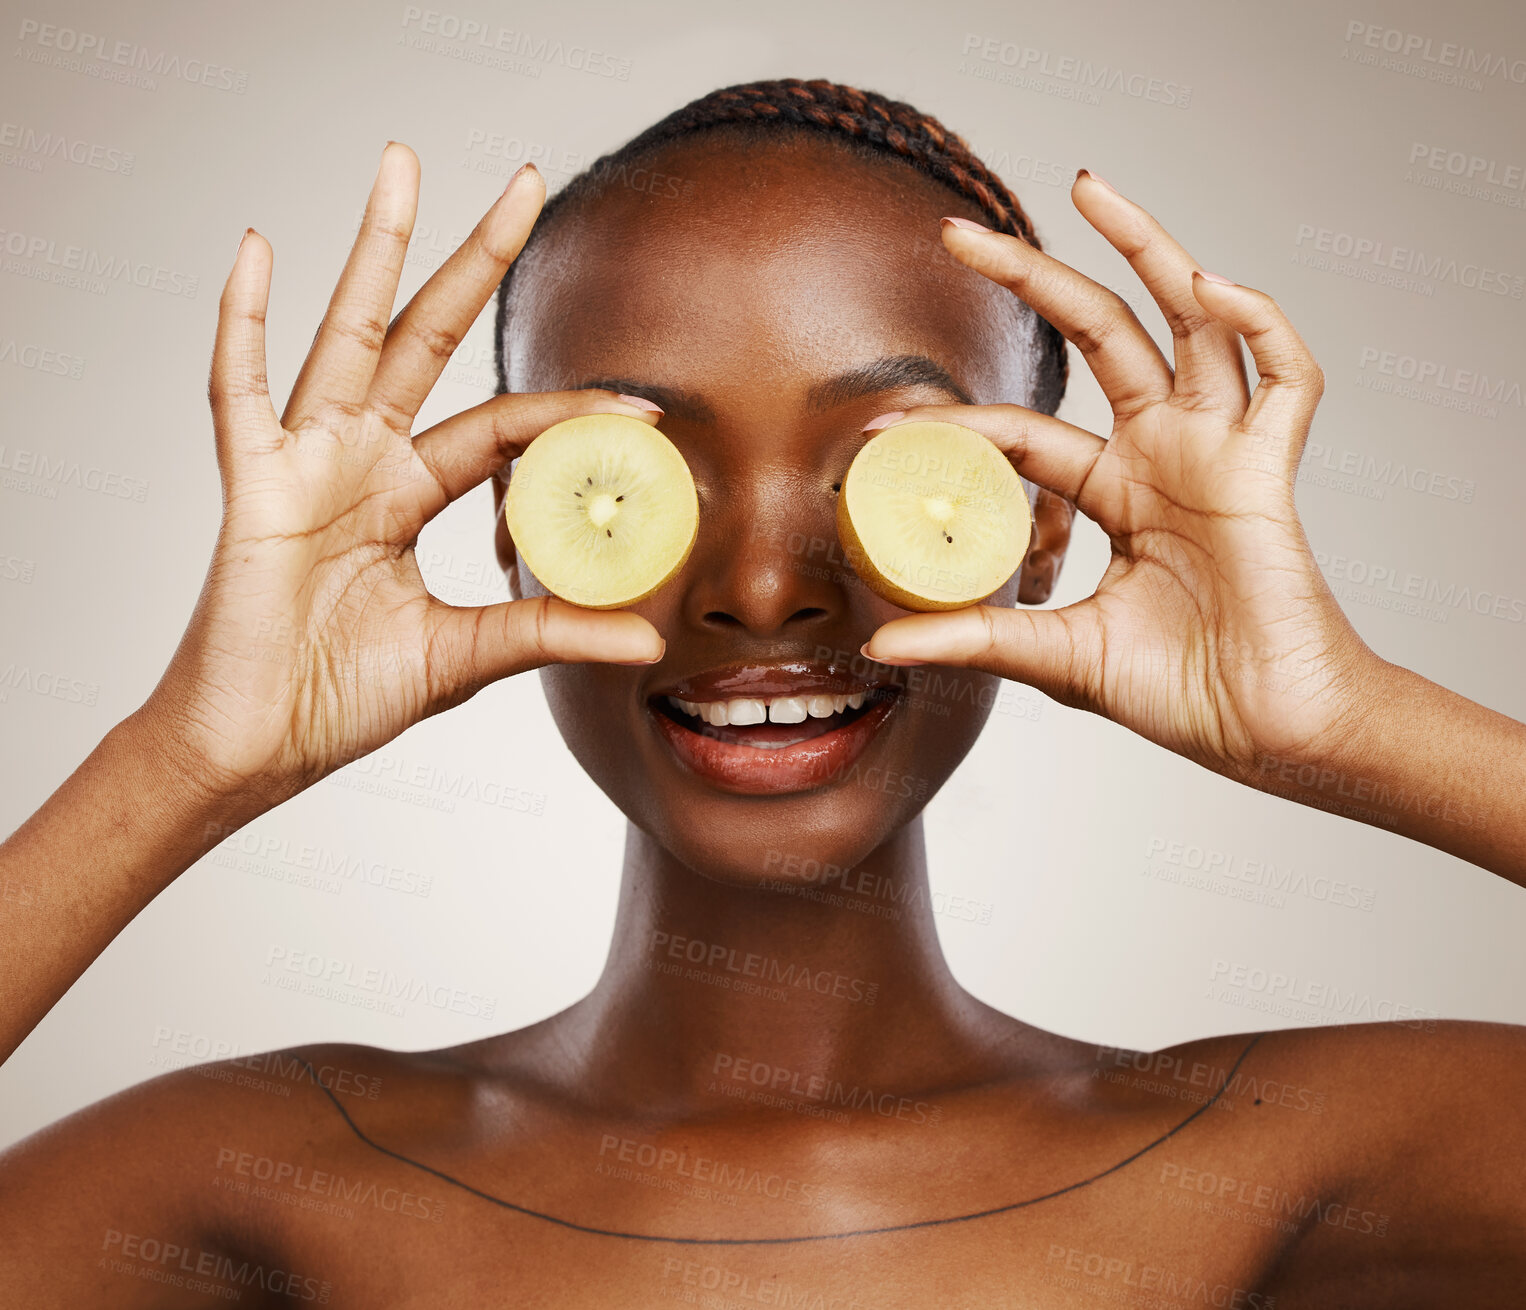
(314, 640)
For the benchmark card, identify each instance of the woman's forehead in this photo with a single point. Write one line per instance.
(800, 260)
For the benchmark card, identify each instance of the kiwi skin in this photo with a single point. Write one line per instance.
(859, 561)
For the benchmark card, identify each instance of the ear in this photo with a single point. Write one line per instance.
(503, 544)
(1052, 517)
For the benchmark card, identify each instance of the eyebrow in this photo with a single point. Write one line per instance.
(892, 373)
(889, 374)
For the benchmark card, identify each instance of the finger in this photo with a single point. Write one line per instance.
(1282, 407)
(1127, 364)
(473, 647)
(1047, 649)
(426, 334)
(1210, 371)
(338, 369)
(1045, 450)
(463, 450)
(238, 387)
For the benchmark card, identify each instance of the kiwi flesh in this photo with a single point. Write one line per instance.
(603, 509)
(932, 516)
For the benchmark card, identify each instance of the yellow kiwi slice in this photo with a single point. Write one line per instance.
(932, 516)
(603, 509)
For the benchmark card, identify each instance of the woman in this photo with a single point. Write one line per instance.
(771, 1098)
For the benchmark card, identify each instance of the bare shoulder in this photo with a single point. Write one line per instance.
(1374, 1089)
(196, 1162)
(1406, 1141)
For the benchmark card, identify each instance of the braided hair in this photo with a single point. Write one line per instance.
(870, 123)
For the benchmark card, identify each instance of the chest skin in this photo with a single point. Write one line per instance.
(1099, 1191)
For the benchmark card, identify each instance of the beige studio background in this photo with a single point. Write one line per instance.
(1362, 162)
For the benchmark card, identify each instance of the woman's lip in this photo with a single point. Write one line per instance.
(760, 681)
(752, 771)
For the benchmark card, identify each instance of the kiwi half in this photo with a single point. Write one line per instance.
(603, 509)
(932, 516)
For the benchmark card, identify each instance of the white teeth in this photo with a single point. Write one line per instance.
(744, 713)
(787, 709)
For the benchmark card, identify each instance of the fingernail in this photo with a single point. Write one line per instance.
(655, 658)
(1095, 177)
(640, 402)
(1214, 277)
(241, 241)
(527, 166)
(967, 224)
(883, 420)
(882, 659)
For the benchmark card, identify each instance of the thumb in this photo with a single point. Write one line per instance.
(474, 647)
(1037, 647)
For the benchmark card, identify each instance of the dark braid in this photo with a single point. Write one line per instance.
(872, 121)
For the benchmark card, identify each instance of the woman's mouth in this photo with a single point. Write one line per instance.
(795, 739)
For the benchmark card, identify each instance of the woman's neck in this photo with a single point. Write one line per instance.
(710, 987)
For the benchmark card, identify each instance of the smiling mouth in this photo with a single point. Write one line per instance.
(771, 723)
(796, 740)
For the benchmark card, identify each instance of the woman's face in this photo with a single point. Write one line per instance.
(772, 301)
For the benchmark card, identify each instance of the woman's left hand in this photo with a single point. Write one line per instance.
(1212, 632)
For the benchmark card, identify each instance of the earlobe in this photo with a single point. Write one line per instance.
(1052, 518)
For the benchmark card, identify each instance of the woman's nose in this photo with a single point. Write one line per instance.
(767, 563)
